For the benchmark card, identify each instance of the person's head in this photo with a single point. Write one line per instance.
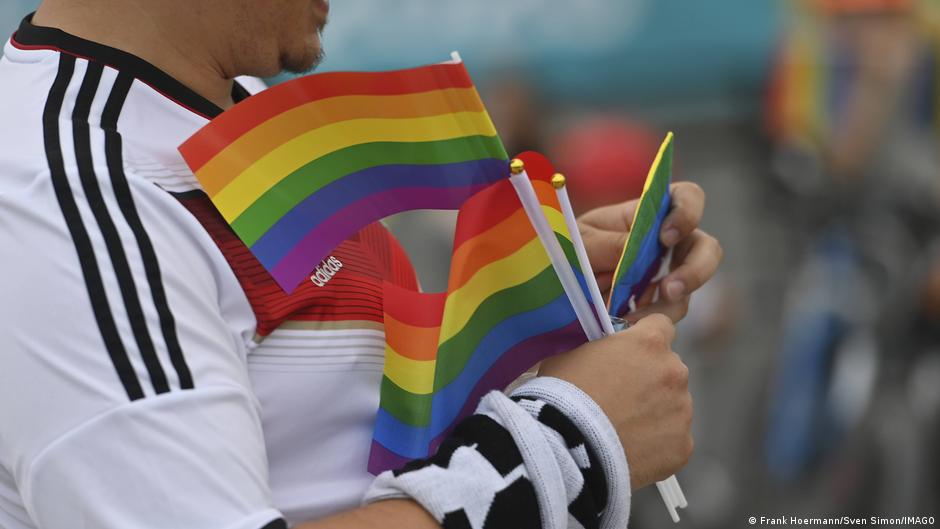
(242, 37)
(269, 36)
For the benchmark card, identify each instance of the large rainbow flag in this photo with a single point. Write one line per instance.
(504, 310)
(643, 253)
(298, 168)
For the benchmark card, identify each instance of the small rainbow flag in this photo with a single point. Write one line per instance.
(798, 101)
(504, 310)
(643, 253)
(298, 168)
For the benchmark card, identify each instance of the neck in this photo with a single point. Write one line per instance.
(153, 31)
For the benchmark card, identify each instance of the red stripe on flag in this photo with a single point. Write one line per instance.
(241, 118)
(500, 204)
(417, 309)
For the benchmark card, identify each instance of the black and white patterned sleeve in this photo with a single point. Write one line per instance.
(546, 456)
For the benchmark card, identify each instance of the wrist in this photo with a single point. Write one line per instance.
(600, 436)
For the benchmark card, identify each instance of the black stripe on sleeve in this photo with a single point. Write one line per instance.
(594, 476)
(588, 506)
(112, 239)
(73, 221)
(239, 92)
(115, 161)
(276, 524)
(509, 508)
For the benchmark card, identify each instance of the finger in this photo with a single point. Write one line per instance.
(698, 257)
(615, 217)
(688, 204)
(658, 325)
(604, 281)
(646, 297)
(603, 248)
(674, 310)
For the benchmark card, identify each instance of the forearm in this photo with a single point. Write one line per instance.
(383, 514)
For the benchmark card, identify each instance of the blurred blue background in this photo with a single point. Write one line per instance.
(596, 51)
(590, 51)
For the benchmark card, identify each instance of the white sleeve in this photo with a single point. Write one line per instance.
(124, 395)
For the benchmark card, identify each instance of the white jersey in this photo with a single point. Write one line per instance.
(152, 374)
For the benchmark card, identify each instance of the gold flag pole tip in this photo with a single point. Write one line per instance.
(516, 166)
(558, 180)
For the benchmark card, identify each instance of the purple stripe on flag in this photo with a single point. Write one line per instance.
(382, 459)
(502, 372)
(501, 340)
(320, 241)
(320, 205)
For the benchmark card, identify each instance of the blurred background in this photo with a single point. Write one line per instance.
(814, 127)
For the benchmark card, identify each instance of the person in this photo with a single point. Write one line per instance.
(154, 376)
(609, 158)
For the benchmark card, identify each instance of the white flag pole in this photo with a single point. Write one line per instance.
(530, 202)
(668, 498)
(674, 483)
(558, 182)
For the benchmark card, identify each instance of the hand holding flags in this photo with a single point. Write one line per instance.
(643, 260)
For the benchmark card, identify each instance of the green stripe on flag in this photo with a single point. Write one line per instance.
(647, 212)
(409, 408)
(297, 186)
(454, 354)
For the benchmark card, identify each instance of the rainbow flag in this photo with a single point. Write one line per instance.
(798, 101)
(298, 168)
(504, 310)
(643, 253)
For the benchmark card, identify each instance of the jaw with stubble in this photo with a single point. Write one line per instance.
(284, 35)
(301, 47)
(304, 59)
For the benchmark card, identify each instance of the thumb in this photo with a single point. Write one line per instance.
(604, 248)
(656, 330)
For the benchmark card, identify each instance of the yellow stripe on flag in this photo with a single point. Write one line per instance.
(244, 190)
(526, 263)
(257, 142)
(413, 376)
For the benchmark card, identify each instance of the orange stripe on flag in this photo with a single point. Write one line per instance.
(235, 122)
(514, 232)
(415, 343)
(478, 220)
(267, 136)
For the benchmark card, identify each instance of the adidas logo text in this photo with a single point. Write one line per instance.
(325, 271)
